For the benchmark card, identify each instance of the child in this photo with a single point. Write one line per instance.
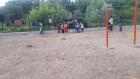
(82, 27)
(77, 27)
(65, 27)
(121, 22)
(41, 28)
(62, 28)
(58, 28)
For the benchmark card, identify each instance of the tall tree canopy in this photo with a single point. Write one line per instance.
(44, 12)
(17, 9)
(92, 11)
(95, 12)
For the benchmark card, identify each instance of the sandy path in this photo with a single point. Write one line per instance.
(80, 56)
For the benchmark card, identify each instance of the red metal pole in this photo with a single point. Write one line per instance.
(107, 20)
(135, 21)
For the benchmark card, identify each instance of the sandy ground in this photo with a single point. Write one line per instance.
(78, 56)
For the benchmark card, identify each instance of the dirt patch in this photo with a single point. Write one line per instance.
(80, 56)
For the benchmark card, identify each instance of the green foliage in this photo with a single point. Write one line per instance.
(82, 5)
(67, 4)
(13, 12)
(44, 12)
(18, 9)
(95, 12)
(125, 9)
(15, 29)
(92, 11)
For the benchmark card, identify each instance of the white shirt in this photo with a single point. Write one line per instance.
(62, 26)
(111, 21)
(40, 24)
(82, 25)
(50, 20)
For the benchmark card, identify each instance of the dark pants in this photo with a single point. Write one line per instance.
(82, 29)
(49, 26)
(58, 30)
(77, 30)
(62, 30)
(111, 27)
(120, 27)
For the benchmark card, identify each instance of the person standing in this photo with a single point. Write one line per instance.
(82, 27)
(50, 20)
(65, 27)
(109, 26)
(111, 23)
(62, 27)
(41, 27)
(77, 27)
(121, 22)
(58, 28)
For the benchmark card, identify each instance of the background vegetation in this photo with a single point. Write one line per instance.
(90, 11)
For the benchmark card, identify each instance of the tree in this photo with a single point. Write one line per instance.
(18, 9)
(82, 5)
(1, 15)
(44, 12)
(66, 4)
(124, 8)
(95, 12)
(13, 12)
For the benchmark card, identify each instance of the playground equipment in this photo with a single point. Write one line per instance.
(107, 11)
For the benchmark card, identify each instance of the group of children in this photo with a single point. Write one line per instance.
(79, 27)
(61, 28)
(64, 28)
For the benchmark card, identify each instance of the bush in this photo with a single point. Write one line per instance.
(15, 29)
